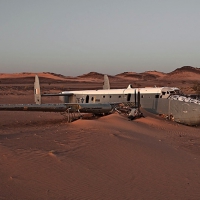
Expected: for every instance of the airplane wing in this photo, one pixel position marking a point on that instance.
(59, 94)
(36, 107)
(60, 107)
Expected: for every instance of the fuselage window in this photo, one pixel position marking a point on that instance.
(129, 97)
(87, 99)
(103, 96)
(142, 96)
(119, 96)
(92, 98)
(110, 96)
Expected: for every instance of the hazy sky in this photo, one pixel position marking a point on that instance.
(73, 37)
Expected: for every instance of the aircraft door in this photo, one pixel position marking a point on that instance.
(87, 99)
(129, 97)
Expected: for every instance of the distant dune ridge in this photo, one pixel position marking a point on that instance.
(144, 75)
(184, 78)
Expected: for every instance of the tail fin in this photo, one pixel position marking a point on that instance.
(106, 85)
(37, 95)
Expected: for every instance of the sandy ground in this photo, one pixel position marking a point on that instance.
(44, 157)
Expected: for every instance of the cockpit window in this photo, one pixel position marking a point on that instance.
(178, 92)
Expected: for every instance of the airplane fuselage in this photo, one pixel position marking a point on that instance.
(155, 100)
(113, 95)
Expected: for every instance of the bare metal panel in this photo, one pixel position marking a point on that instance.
(182, 112)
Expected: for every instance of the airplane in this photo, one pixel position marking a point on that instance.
(168, 101)
(75, 101)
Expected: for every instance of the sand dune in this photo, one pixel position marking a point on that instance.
(43, 157)
(27, 74)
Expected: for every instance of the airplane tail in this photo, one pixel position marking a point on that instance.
(37, 94)
(106, 85)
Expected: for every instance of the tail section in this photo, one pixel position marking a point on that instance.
(129, 86)
(37, 95)
(106, 85)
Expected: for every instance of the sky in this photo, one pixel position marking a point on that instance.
(74, 37)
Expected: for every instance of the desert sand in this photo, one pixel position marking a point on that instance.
(44, 157)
